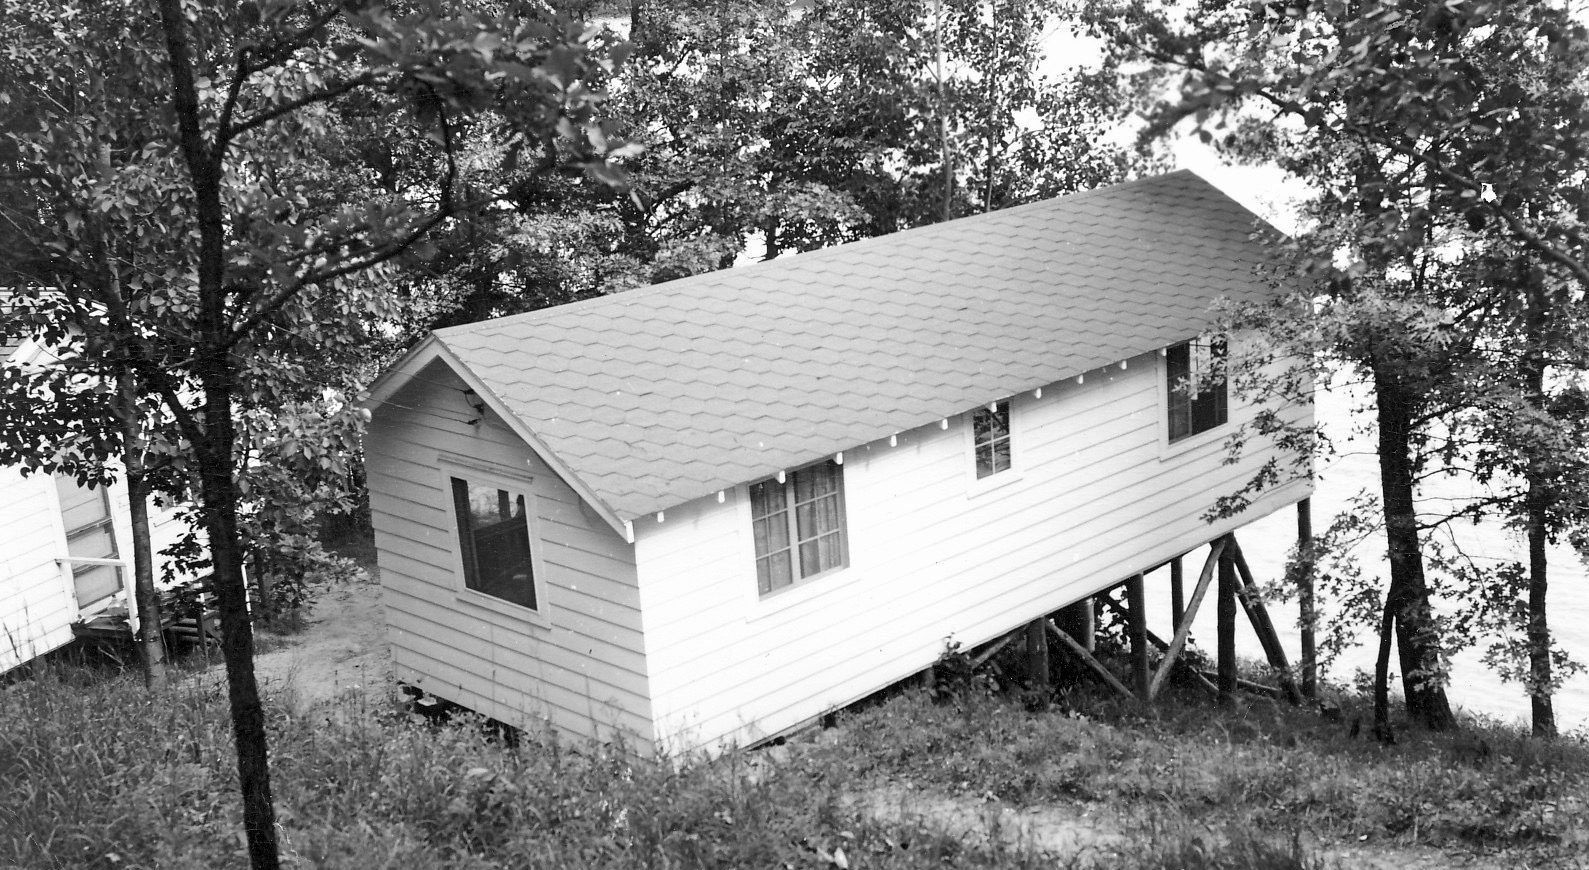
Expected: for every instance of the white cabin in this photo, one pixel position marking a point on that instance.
(709, 511)
(65, 553)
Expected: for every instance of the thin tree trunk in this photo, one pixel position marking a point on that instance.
(640, 30)
(1417, 635)
(992, 103)
(1536, 503)
(946, 155)
(1539, 670)
(1308, 620)
(774, 245)
(217, 486)
(1382, 675)
(151, 643)
(219, 495)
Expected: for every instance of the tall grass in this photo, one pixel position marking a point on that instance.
(96, 772)
(1265, 767)
(105, 775)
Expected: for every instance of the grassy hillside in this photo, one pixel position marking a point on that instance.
(94, 772)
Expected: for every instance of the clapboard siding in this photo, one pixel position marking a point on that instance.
(582, 667)
(1095, 496)
(36, 606)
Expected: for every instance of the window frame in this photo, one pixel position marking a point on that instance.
(976, 444)
(80, 566)
(790, 503)
(977, 486)
(1218, 348)
(515, 484)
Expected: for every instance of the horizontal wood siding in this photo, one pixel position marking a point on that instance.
(1095, 496)
(36, 607)
(583, 668)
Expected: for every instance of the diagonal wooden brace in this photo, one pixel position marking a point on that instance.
(1258, 615)
(1080, 652)
(1184, 630)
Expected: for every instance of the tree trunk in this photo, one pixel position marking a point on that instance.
(266, 610)
(1308, 616)
(1417, 635)
(219, 495)
(945, 154)
(774, 242)
(1382, 676)
(151, 643)
(640, 30)
(1536, 505)
(149, 639)
(213, 442)
(1539, 671)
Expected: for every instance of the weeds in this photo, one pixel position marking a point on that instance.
(97, 772)
(1267, 767)
(106, 775)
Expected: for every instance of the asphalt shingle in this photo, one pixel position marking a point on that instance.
(660, 395)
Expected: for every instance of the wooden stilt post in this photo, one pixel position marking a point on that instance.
(1310, 666)
(1137, 623)
(1077, 621)
(1177, 596)
(1037, 656)
(1227, 626)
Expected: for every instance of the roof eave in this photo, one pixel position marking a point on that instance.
(532, 440)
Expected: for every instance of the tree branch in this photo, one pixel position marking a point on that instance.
(287, 108)
(382, 254)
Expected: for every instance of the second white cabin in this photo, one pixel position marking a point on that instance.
(65, 553)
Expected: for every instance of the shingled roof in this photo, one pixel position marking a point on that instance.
(657, 396)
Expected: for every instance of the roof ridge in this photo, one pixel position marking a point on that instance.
(635, 295)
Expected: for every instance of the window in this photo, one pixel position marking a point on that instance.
(494, 542)
(990, 432)
(90, 534)
(1195, 376)
(798, 525)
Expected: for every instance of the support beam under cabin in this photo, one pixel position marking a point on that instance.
(1177, 596)
(1227, 626)
(1077, 620)
(1037, 657)
(1310, 667)
(1137, 625)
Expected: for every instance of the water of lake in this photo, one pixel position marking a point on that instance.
(1474, 687)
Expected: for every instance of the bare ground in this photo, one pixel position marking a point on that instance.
(340, 647)
(1080, 833)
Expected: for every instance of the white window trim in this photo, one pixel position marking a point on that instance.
(1172, 449)
(759, 607)
(976, 486)
(776, 598)
(518, 483)
(65, 563)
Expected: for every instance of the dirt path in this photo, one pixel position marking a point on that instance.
(1081, 833)
(340, 648)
